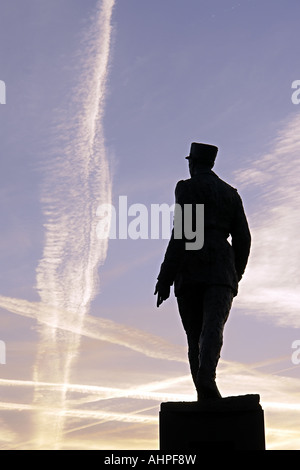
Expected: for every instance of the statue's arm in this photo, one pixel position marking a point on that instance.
(173, 257)
(241, 238)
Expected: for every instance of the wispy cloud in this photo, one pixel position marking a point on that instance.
(77, 180)
(271, 284)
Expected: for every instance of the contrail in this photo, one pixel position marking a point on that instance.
(87, 414)
(77, 181)
(145, 392)
(97, 328)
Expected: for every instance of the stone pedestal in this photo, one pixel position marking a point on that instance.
(233, 423)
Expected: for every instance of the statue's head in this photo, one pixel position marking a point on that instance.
(202, 156)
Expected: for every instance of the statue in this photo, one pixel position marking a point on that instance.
(206, 280)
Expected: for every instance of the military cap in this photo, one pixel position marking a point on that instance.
(203, 152)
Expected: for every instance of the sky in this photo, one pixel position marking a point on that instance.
(100, 101)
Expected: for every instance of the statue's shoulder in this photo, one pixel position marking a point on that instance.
(227, 187)
(181, 185)
(181, 190)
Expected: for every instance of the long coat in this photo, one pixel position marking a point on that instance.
(218, 262)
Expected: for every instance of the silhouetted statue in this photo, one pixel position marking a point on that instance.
(206, 280)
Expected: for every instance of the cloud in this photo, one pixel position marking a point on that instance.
(271, 283)
(7, 435)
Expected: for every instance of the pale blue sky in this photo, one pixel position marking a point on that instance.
(216, 71)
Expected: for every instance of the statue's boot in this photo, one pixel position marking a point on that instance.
(207, 389)
(206, 386)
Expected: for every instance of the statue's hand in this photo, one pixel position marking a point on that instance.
(163, 292)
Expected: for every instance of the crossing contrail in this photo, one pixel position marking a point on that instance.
(77, 181)
(97, 328)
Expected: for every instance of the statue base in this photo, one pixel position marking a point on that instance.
(232, 423)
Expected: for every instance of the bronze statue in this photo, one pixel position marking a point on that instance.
(206, 280)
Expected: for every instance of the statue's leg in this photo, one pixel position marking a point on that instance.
(217, 303)
(190, 309)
